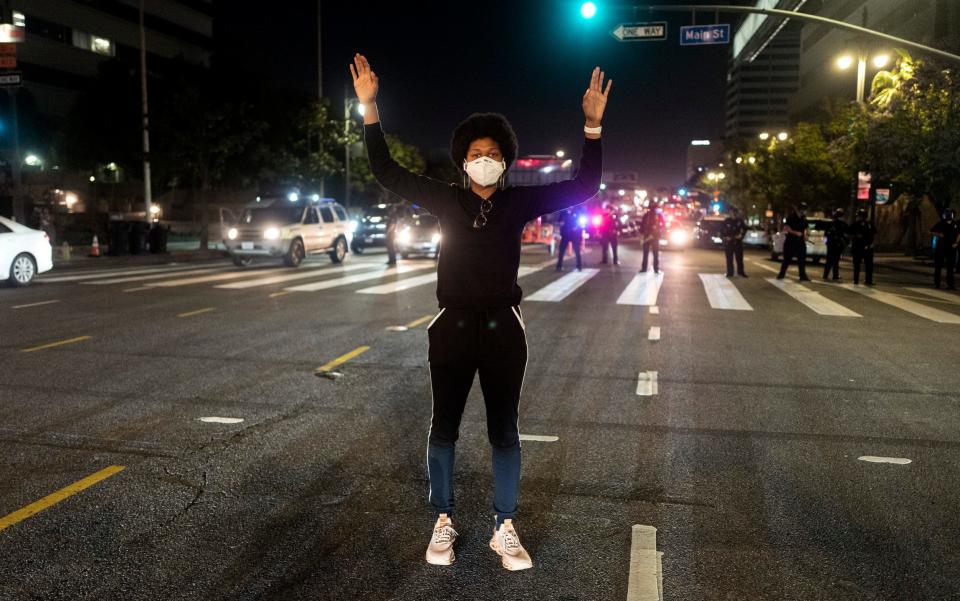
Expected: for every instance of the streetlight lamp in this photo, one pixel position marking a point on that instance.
(764, 136)
(560, 154)
(845, 61)
(32, 160)
(348, 103)
(588, 10)
(782, 136)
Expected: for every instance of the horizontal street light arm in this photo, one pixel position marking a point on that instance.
(776, 12)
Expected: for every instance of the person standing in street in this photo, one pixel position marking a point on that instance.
(836, 242)
(862, 235)
(610, 232)
(479, 329)
(734, 229)
(394, 215)
(795, 242)
(571, 232)
(651, 228)
(946, 232)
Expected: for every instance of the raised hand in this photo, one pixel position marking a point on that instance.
(595, 98)
(365, 81)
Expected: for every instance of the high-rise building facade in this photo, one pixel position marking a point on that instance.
(66, 40)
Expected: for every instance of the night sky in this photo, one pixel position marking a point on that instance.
(530, 60)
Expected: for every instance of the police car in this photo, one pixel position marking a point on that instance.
(289, 228)
(816, 239)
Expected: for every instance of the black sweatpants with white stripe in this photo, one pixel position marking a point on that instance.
(463, 343)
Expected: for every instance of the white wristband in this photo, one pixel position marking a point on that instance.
(592, 130)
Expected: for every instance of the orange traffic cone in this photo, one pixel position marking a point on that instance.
(95, 247)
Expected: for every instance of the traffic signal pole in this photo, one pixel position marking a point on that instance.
(789, 14)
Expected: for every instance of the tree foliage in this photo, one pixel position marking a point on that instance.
(909, 133)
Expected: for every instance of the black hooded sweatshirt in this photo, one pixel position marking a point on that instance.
(478, 267)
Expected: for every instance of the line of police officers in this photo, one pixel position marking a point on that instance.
(860, 235)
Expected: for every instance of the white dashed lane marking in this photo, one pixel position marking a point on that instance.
(647, 383)
(893, 460)
(49, 302)
(539, 438)
(645, 582)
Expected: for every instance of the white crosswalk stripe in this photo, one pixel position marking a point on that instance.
(722, 294)
(560, 289)
(203, 279)
(952, 297)
(421, 280)
(642, 290)
(110, 273)
(918, 309)
(360, 277)
(391, 287)
(302, 274)
(813, 300)
(152, 276)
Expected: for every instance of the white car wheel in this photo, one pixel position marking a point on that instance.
(23, 270)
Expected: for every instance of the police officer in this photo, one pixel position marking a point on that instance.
(733, 232)
(571, 232)
(862, 234)
(836, 242)
(651, 228)
(394, 214)
(795, 241)
(946, 232)
(610, 232)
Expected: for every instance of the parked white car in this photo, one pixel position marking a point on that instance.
(816, 243)
(290, 228)
(24, 252)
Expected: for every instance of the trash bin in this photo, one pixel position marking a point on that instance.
(138, 237)
(118, 233)
(158, 239)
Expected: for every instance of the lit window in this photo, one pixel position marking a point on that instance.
(19, 20)
(81, 39)
(101, 45)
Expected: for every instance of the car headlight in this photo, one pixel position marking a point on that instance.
(271, 233)
(435, 238)
(232, 233)
(679, 237)
(404, 236)
(352, 226)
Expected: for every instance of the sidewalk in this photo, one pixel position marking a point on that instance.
(179, 252)
(897, 261)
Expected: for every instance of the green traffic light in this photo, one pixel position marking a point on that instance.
(588, 10)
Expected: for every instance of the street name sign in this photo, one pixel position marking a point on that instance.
(11, 79)
(702, 35)
(640, 32)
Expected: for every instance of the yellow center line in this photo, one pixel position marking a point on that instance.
(53, 344)
(281, 293)
(54, 498)
(343, 358)
(197, 312)
(417, 322)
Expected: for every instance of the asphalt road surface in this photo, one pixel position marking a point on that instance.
(791, 442)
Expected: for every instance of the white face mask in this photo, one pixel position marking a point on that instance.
(484, 171)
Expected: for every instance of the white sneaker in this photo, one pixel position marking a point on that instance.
(506, 542)
(440, 551)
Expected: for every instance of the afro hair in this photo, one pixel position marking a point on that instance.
(483, 125)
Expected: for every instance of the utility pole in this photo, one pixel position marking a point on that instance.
(320, 83)
(147, 195)
(346, 147)
(17, 167)
(16, 170)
